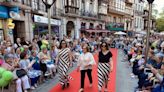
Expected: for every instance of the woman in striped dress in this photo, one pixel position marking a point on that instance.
(105, 66)
(64, 59)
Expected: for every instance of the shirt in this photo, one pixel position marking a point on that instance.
(86, 59)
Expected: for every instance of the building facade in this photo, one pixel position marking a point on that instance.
(70, 17)
(120, 15)
(14, 19)
(81, 15)
(138, 15)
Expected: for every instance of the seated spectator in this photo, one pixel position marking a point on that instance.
(22, 80)
(27, 65)
(44, 56)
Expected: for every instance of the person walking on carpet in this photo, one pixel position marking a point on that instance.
(85, 63)
(64, 60)
(105, 66)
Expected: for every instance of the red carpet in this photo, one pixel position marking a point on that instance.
(75, 84)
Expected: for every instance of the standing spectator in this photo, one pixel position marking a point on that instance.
(18, 43)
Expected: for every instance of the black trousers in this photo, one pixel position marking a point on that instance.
(89, 73)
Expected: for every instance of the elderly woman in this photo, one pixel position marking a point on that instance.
(45, 58)
(22, 80)
(85, 63)
(27, 66)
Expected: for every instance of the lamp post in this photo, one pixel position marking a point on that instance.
(149, 28)
(48, 4)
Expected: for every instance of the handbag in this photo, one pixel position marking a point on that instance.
(20, 73)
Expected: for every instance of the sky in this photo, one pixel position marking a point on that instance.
(159, 5)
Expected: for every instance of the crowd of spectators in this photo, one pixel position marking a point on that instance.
(149, 71)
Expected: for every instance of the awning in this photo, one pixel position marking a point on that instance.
(97, 30)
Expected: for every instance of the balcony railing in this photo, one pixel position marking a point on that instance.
(139, 13)
(24, 4)
(72, 10)
(129, 11)
(88, 14)
(117, 8)
(56, 12)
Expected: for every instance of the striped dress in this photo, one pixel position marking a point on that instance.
(64, 62)
(103, 68)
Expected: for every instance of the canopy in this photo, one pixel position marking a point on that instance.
(97, 30)
(141, 32)
(120, 33)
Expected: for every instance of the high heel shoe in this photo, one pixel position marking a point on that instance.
(63, 86)
(81, 90)
(68, 85)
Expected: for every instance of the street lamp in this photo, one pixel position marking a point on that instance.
(48, 4)
(149, 28)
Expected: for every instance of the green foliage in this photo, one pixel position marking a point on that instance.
(160, 22)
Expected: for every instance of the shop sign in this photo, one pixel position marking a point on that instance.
(0, 24)
(14, 12)
(3, 12)
(41, 19)
(10, 25)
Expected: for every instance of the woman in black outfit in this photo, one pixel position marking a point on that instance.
(105, 66)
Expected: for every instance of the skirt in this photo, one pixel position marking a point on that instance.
(103, 73)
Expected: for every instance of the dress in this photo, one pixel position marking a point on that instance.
(64, 62)
(103, 68)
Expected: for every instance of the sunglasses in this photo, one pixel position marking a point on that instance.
(103, 46)
(63, 43)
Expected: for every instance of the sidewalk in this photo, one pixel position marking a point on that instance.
(124, 81)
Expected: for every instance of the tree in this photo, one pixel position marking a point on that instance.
(160, 21)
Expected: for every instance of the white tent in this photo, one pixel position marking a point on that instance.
(120, 33)
(162, 33)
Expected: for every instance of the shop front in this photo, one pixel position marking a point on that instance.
(8, 16)
(40, 26)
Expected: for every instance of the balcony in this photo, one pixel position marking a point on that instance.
(129, 11)
(71, 10)
(88, 14)
(113, 8)
(138, 13)
(23, 4)
(115, 26)
(57, 13)
(102, 9)
(129, 2)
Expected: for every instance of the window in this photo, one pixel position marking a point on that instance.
(91, 6)
(71, 2)
(83, 25)
(83, 5)
(91, 26)
(114, 19)
(35, 4)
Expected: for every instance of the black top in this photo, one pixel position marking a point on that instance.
(104, 58)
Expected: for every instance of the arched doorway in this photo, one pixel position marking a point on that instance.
(70, 29)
